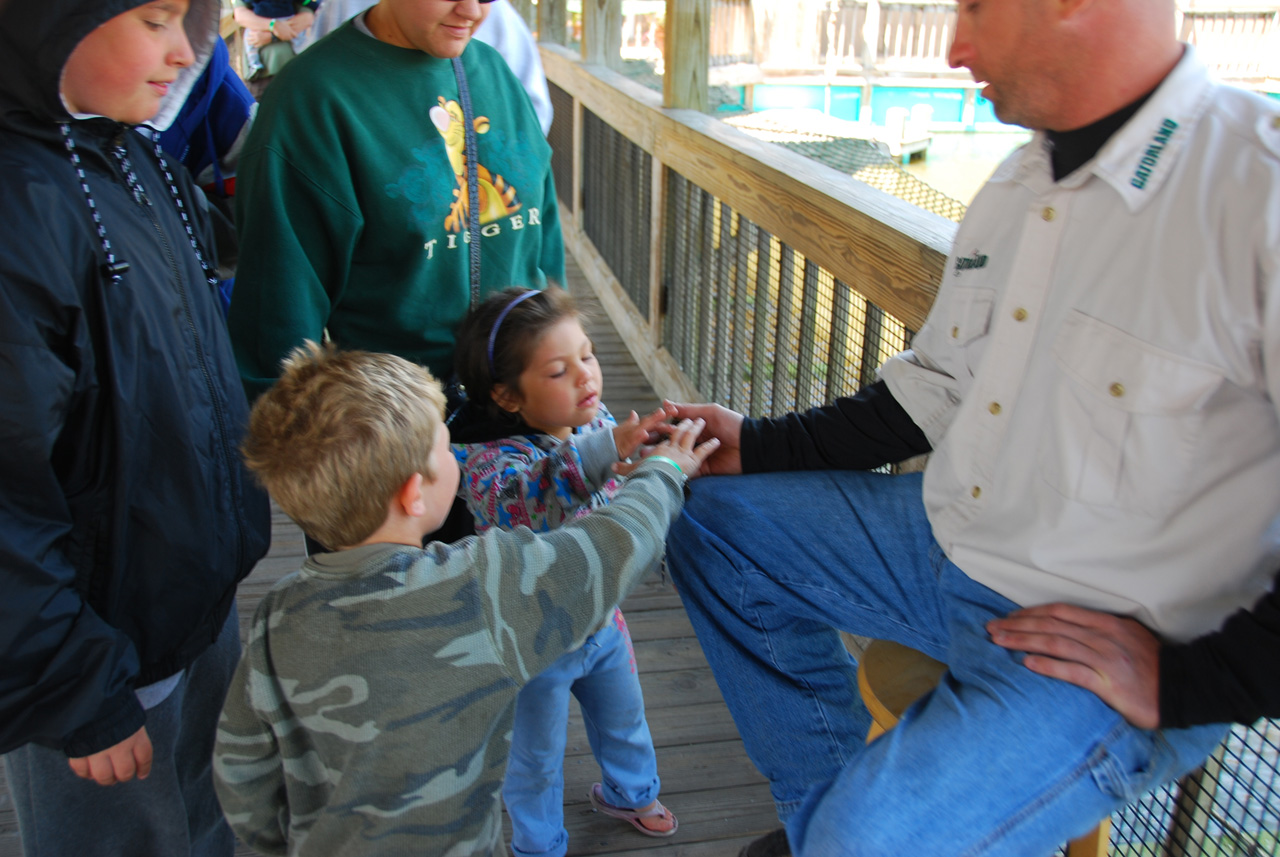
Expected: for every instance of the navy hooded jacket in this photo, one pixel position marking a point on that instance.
(126, 517)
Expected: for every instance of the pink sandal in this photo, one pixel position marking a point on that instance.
(631, 815)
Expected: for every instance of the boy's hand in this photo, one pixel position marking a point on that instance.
(630, 434)
(682, 447)
(117, 764)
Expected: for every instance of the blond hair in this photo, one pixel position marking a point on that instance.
(339, 433)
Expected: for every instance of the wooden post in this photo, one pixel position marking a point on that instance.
(551, 22)
(871, 37)
(526, 10)
(657, 223)
(602, 33)
(687, 52)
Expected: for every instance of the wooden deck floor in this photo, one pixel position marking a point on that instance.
(707, 781)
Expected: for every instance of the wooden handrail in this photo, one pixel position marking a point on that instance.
(888, 249)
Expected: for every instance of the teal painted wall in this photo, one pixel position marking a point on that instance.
(845, 100)
(947, 104)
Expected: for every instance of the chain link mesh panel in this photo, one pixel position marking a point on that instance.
(617, 201)
(561, 139)
(752, 322)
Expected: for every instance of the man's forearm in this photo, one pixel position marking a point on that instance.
(857, 432)
(1229, 676)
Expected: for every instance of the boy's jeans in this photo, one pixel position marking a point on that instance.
(172, 813)
(602, 675)
(997, 760)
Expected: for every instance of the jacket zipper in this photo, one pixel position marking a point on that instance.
(220, 418)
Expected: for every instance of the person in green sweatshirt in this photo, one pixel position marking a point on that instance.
(353, 201)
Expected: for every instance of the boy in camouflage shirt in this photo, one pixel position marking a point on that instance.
(371, 709)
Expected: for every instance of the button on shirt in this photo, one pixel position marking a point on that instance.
(1099, 373)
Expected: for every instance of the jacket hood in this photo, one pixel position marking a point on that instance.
(38, 36)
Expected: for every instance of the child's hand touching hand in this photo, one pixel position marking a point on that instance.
(630, 434)
(682, 447)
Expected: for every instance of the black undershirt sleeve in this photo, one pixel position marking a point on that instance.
(1229, 676)
(857, 432)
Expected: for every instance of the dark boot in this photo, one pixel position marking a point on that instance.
(772, 844)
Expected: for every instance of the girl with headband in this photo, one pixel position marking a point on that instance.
(550, 457)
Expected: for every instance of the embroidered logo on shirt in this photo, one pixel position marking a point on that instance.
(1152, 155)
(968, 263)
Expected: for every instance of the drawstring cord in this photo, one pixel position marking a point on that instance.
(113, 268)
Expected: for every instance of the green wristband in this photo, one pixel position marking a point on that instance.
(670, 461)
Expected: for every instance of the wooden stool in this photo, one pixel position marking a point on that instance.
(892, 676)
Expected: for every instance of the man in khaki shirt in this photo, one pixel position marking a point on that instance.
(1096, 385)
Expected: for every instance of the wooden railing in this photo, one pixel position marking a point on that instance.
(735, 270)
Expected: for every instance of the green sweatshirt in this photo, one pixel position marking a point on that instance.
(372, 710)
(347, 203)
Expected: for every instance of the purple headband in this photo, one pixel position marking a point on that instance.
(493, 334)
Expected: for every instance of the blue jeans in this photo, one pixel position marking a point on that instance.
(602, 675)
(172, 813)
(996, 761)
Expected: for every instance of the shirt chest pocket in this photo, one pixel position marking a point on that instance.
(966, 323)
(1125, 419)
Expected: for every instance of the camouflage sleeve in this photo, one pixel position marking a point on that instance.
(248, 769)
(547, 593)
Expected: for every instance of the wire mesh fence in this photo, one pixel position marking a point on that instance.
(754, 324)
(561, 139)
(617, 198)
(1228, 808)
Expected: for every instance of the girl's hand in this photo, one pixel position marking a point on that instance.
(257, 38)
(631, 433)
(682, 447)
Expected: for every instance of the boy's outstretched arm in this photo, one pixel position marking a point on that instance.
(546, 593)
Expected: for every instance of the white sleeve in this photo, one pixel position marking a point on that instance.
(506, 32)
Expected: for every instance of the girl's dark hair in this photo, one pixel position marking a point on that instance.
(517, 336)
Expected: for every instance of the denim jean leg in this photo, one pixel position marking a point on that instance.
(533, 788)
(208, 680)
(996, 761)
(768, 566)
(613, 713)
(172, 813)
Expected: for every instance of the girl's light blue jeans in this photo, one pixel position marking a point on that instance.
(602, 675)
(996, 761)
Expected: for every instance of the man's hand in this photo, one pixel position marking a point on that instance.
(1115, 657)
(118, 764)
(722, 424)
